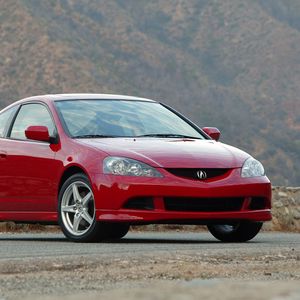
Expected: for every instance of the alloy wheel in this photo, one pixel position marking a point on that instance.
(78, 208)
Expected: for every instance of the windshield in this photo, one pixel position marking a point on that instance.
(122, 118)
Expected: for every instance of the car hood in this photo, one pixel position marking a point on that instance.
(172, 153)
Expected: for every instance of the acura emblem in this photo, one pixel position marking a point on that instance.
(201, 174)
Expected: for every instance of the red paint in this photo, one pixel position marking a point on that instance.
(37, 133)
(140, 217)
(31, 172)
(213, 132)
(170, 153)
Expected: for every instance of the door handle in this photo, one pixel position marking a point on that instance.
(3, 154)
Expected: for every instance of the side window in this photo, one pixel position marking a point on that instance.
(31, 115)
(4, 118)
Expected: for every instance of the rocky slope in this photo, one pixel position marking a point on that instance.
(286, 209)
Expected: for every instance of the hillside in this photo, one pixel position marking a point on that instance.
(234, 64)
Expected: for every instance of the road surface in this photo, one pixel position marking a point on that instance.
(46, 264)
(16, 246)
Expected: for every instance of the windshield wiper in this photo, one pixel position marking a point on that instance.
(159, 135)
(93, 136)
(168, 135)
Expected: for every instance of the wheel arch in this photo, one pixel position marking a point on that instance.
(68, 173)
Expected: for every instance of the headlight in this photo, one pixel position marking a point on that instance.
(128, 167)
(252, 168)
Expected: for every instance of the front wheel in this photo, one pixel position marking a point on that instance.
(76, 211)
(237, 232)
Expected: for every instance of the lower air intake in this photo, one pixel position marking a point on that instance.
(203, 204)
(141, 203)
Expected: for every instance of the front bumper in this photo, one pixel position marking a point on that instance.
(113, 192)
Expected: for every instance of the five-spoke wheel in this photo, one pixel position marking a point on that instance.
(77, 213)
(76, 210)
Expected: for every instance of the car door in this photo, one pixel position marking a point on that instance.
(31, 169)
(5, 119)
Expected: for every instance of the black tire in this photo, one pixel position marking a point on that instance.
(86, 231)
(236, 233)
(117, 230)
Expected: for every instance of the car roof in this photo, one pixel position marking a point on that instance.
(62, 97)
(75, 96)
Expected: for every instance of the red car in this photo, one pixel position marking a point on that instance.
(96, 164)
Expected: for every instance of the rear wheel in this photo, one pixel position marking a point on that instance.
(236, 232)
(76, 211)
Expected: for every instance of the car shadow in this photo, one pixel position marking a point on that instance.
(124, 240)
(159, 241)
(33, 239)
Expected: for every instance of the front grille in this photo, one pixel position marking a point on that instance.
(203, 204)
(143, 203)
(191, 173)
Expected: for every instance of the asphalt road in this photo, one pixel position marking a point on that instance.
(39, 245)
(149, 265)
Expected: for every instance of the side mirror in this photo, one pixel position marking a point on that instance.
(38, 133)
(213, 132)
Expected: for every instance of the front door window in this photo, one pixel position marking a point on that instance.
(31, 115)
